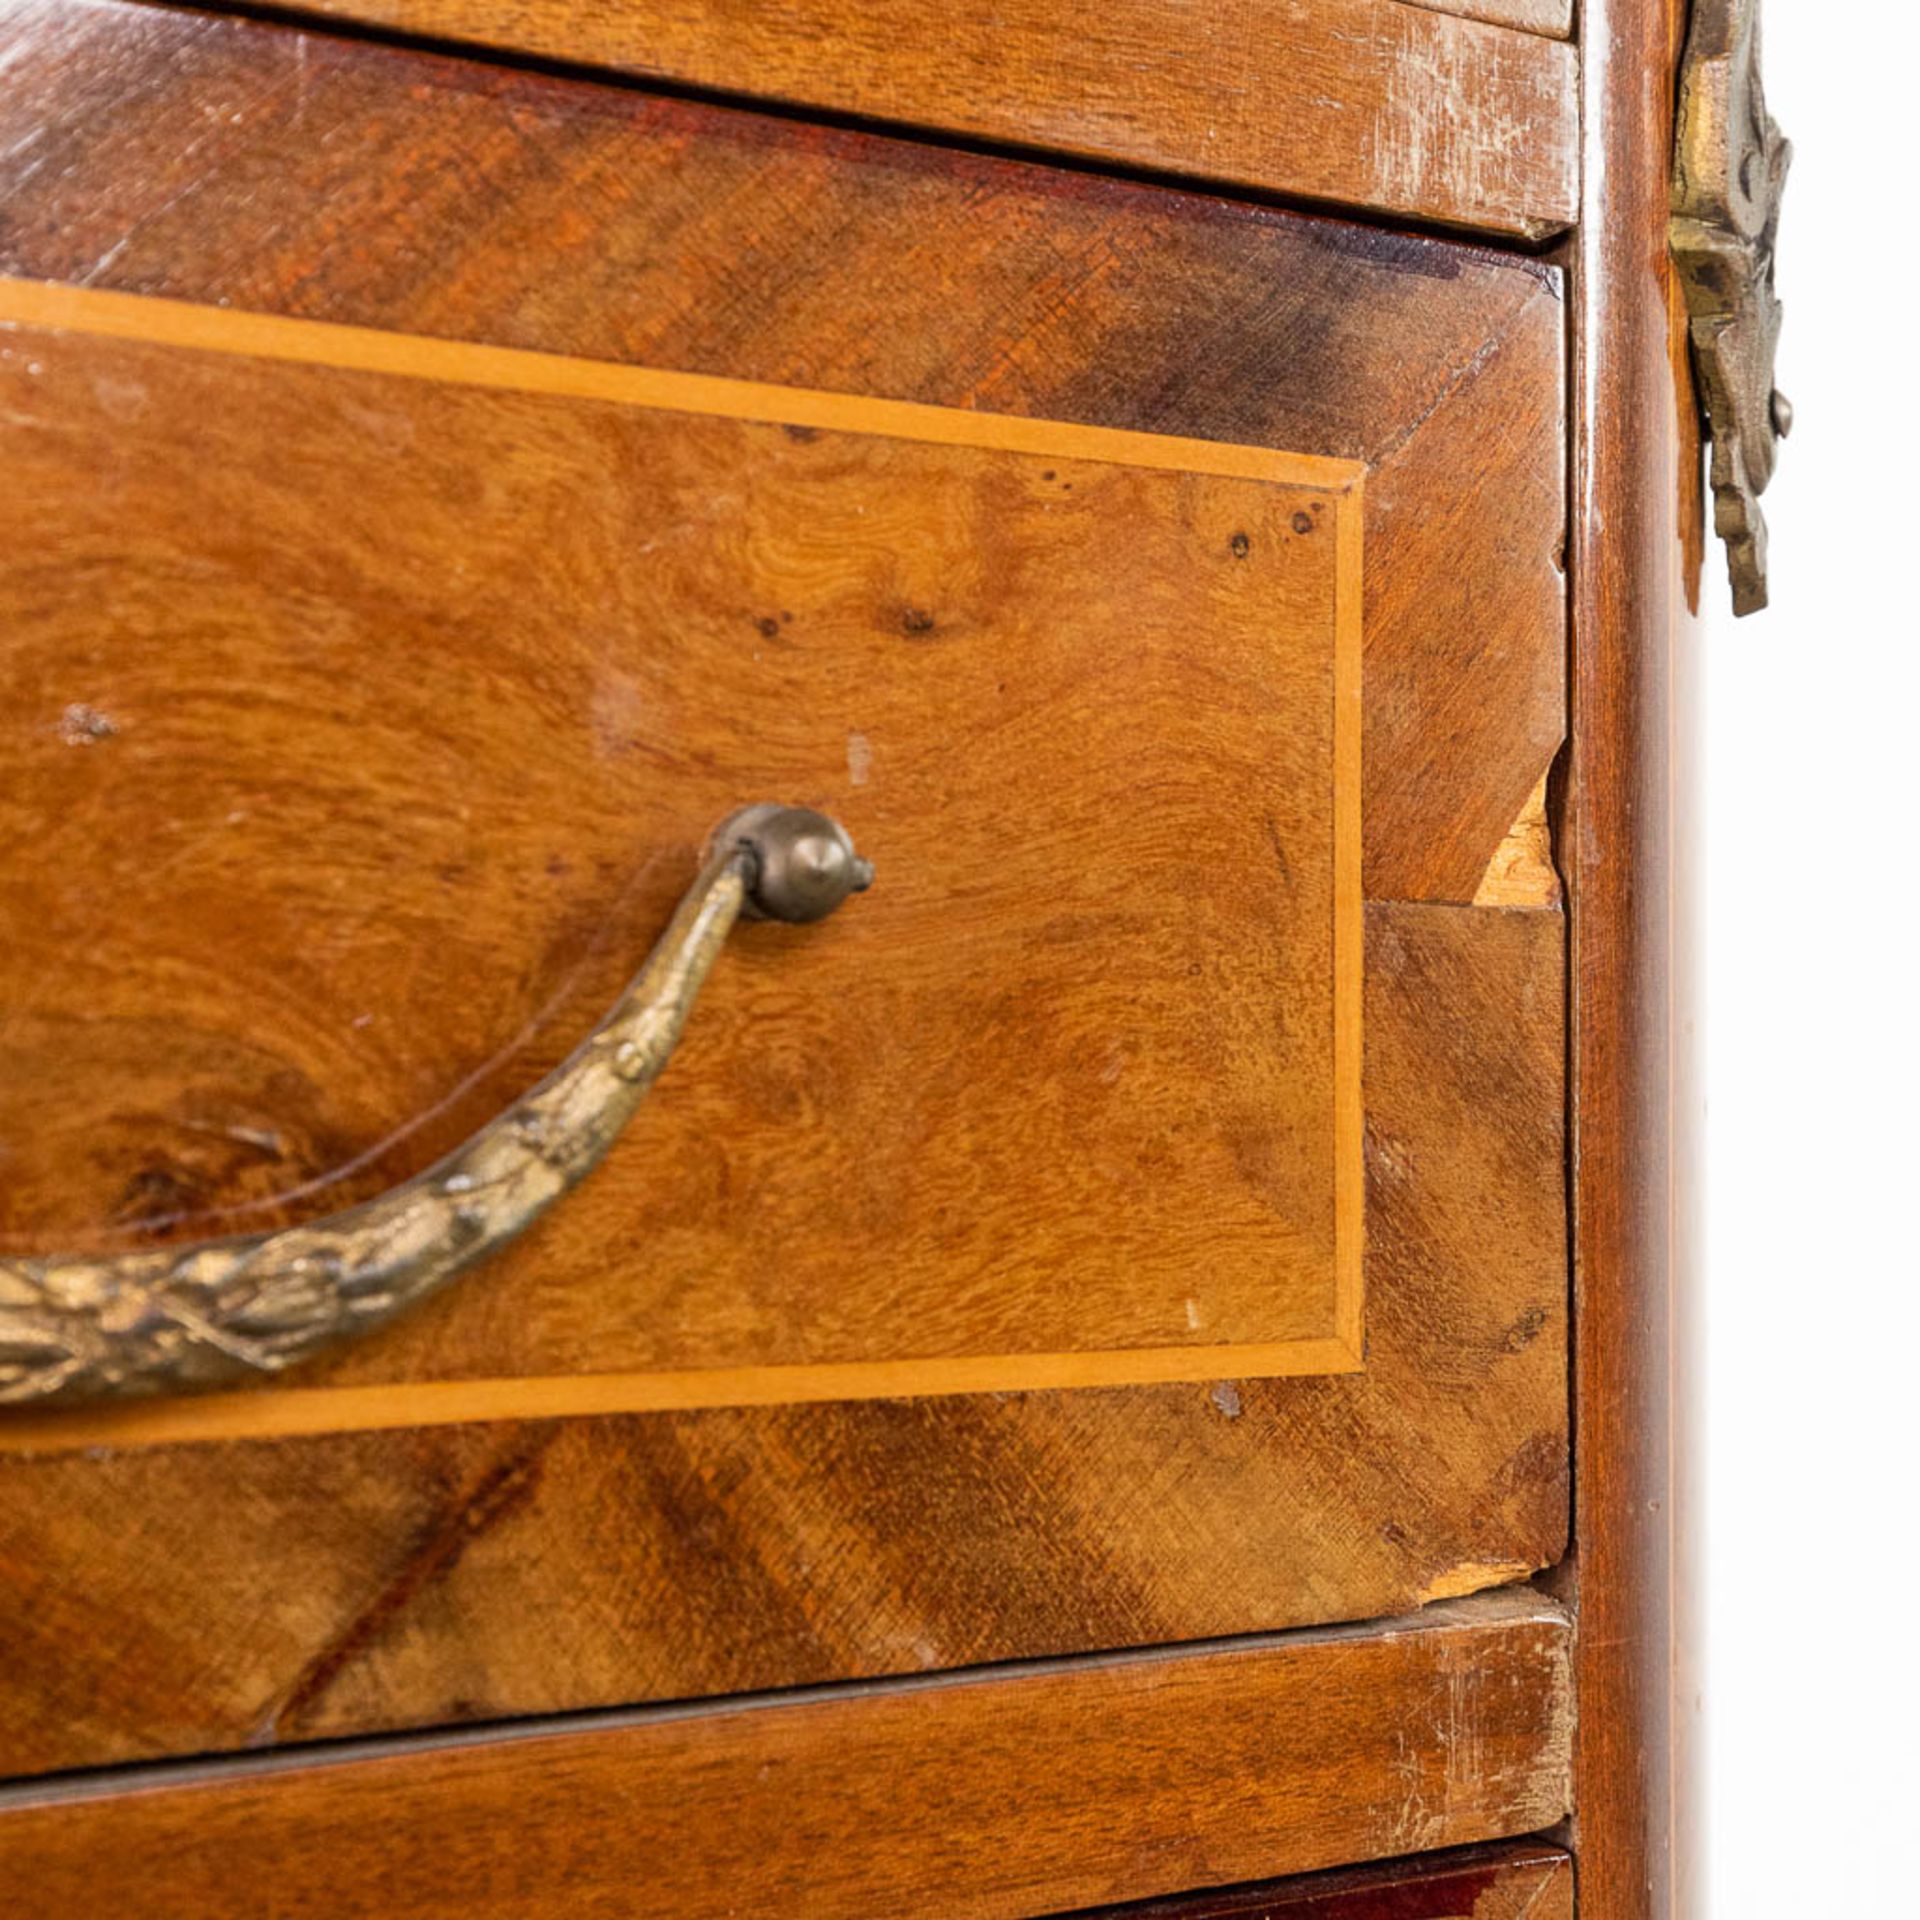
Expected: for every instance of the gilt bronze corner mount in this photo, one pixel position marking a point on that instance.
(1730, 166)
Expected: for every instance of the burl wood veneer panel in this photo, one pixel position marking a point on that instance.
(985, 1797)
(417, 1549)
(1364, 103)
(372, 665)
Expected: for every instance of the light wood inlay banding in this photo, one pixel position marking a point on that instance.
(1159, 653)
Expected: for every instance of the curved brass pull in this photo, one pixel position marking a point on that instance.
(87, 1327)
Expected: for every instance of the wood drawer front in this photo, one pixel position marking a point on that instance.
(1462, 113)
(988, 1796)
(978, 1286)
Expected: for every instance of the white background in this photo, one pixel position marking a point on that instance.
(1809, 977)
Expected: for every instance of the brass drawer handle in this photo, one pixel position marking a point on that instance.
(89, 1327)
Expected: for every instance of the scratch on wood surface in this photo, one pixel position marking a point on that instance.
(1560, 1732)
(1450, 122)
(1464, 1746)
(1549, 1898)
(1416, 1825)
(1417, 134)
(505, 1486)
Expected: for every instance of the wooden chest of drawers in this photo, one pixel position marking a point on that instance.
(1065, 1391)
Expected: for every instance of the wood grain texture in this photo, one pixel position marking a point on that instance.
(250, 166)
(1360, 103)
(1512, 1881)
(980, 1797)
(1636, 570)
(1078, 692)
(415, 1574)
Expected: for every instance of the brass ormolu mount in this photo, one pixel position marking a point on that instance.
(1730, 166)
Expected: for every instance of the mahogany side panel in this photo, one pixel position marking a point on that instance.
(1362, 103)
(979, 1797)
(1635, 579)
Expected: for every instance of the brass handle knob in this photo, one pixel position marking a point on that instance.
(86, 1327)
